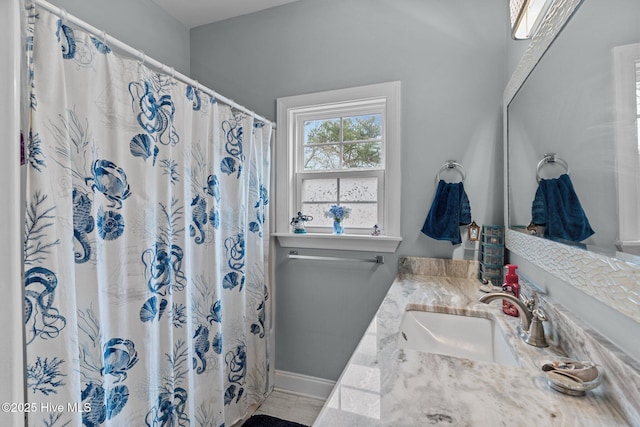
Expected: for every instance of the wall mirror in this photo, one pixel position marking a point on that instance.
(575, 93)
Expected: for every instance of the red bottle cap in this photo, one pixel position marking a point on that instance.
(511, 276)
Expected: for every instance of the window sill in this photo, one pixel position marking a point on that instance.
(343, 242)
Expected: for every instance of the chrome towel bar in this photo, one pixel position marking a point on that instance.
(378, 259)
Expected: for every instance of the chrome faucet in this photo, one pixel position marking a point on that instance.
(531, 329)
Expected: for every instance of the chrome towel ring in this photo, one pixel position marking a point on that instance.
(451, 164)
(550, 158)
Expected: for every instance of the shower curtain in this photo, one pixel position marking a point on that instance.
(146, 242)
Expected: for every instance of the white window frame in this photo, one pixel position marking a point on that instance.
(329, 111)
(292, 111)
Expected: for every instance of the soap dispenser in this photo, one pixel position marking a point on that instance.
(511, 286)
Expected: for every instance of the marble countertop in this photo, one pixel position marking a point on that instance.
(383, 385)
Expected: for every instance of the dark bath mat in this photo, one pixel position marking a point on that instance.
(268, 421)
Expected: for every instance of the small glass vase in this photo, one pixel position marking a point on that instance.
(337, 227)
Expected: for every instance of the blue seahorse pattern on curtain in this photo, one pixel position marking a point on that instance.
(146, 287)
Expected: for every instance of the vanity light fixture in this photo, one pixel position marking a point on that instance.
(526, 16)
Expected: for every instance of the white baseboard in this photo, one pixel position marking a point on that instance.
(303, 385)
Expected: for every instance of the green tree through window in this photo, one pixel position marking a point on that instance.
(359, 145)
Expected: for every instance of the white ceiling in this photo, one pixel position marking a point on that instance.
(193, 13)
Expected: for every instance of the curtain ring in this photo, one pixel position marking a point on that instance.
(64, 16)
(173, 73)
(143, 58)
(197, 86)
(104, 38)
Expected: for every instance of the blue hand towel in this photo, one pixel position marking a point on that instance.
(450, 209)
(556, 206)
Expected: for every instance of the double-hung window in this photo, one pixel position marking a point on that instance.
(340, 148)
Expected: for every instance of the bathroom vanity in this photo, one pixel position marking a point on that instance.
(387, 384)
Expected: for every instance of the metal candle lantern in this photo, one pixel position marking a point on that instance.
(474, 231)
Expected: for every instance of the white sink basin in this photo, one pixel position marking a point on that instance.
(456, 335)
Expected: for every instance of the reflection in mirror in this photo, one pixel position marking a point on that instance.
(581, 102)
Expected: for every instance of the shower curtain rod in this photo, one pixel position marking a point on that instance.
(145, 59)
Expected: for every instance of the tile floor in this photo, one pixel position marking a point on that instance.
(291, 407)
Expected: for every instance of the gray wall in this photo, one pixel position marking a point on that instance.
(139, 23)
(451, 59)
(515, 50)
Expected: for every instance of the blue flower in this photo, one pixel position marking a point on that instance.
(338, 213)
(110, 224)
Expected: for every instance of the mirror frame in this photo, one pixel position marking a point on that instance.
(612, 281)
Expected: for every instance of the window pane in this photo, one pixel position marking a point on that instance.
(320, 190)
(363, 215)
(362, 155)
(359, 189)
(322, 131)
(317, 210)
(362, 128)
(322, 157)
